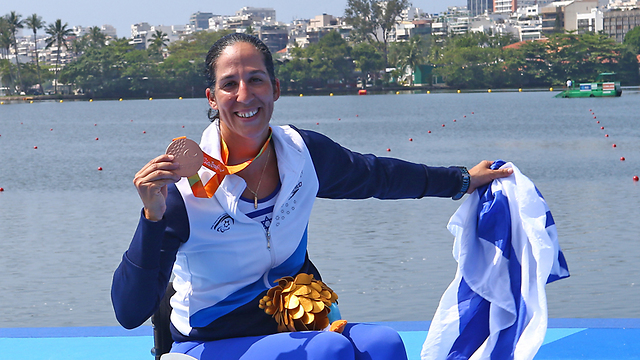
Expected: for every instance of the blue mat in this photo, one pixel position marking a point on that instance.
(566, 339)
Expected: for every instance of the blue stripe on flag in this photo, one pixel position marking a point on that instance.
(474, 323)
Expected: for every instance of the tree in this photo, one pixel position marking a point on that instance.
(34, 22)
(14, 23)
(632, 40)
(368, 61)
(58, 36)
(414, 55)
(6, 73)
(95, 37)
(332, 62)
(374, 20)
(158, 41)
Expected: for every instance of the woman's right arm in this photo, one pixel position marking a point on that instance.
(140, 280)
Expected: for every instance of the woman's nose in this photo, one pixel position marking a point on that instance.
(244, 94)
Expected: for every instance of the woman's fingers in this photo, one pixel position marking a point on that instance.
(482, 174)
(158, 168)
(151, 182)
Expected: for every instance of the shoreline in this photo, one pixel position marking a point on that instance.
(401, 90)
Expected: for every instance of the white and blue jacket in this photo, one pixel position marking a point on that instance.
(224, 262)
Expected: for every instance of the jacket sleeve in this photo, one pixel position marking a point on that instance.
(140, 281)
(344, 174)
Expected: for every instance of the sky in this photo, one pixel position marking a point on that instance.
(123, 13)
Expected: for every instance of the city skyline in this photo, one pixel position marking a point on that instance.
(122, 14)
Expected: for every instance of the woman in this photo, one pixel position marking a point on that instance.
(227, 250)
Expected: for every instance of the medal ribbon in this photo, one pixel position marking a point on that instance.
(220, 170)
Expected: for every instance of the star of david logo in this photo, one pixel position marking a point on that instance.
(266, 222)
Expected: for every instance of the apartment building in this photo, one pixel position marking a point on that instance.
(590, 22)
(261, 14)
(616, 23)
(200, 20)
(505, 6)
(478, 7)
(572, 10)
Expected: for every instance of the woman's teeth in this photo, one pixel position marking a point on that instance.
(246, 114)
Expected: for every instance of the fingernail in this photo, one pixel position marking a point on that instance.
(510, 170)
(171, 157)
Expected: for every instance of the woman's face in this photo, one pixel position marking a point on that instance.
(243, 93)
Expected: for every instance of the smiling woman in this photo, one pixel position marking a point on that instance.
(229, 245)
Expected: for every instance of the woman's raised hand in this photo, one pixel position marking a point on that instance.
(151, 182)
(482, 174)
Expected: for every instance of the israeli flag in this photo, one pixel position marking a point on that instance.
(507, 250)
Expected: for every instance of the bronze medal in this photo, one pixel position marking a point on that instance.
(188, 154)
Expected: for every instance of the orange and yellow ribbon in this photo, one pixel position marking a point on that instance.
(220, 170)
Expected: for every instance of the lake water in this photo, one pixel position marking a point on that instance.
(64, 224)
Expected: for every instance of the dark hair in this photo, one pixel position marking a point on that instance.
(228, 40)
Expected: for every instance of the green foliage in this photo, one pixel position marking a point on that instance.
(368, 61)
(118, 70)
(325, 64)
(196, 46)
(479, 61)
(632, 40)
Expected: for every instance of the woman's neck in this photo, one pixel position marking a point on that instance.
(242, 148)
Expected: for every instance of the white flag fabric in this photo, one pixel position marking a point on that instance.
(507, 250)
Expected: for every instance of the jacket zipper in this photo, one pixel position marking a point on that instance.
(268, 233)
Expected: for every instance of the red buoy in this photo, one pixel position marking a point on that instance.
(442, 125)
(388, 149)
(100, 168)
(357, 115)
(472, 112)
(622, 158)
(606, 135)
(410, 139)
(50, 129)
(429, 131)
(594, 117)
(317, 123)
(35, 147)
(144, 132)
(95, 124)
(183, 126)
(338, 119)
(598, 122)
(589, 109)
(96, 138)
(636, 178)
(1, 189)
(601, 127)
(464, 116)
(614, 145)
(454, 120)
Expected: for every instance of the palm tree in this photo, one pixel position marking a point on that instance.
(34, 22)
(57, 35)
(5, 45)
(14, 22)
(414, 55)
(96, 37)
(158, 40)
